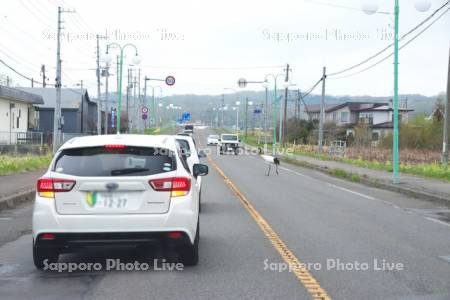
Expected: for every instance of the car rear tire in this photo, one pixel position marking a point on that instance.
(188, 255)
(42, 254)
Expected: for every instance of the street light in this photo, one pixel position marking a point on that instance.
(153, 97)
(136, 60)
(421, 5)
(275, 78)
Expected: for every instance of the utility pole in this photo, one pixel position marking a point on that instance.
(57, 113)
(117, 74)
(136, 109)
(128, 98)
(106, 97)
(283, 130)
(246, 117)
(322, 111)
(133, 109)
(446, 121)
(395, 151)
(99, 106)
(266, 108)
(32, 82)
(44, 78)
(222, 110)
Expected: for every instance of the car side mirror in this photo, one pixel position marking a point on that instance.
(201, 154)
(239, 140)
(200, 170)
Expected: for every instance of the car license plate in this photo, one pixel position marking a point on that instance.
(106, 200)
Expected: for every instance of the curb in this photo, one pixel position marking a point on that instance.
(364, 179)
(14, 200)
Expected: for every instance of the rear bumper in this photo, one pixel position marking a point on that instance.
(70, 241)
(227, 147)
(182, 216)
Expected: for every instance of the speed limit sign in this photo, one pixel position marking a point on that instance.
(144, 109)
(170, 80)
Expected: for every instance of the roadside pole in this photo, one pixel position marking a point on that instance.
(246, 118)
(446, 121)
(286, 91)
(99, 102)
(106, 99)
(322, 111)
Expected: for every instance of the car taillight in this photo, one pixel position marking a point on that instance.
(46, 187)
(115, 146)
(177, 186)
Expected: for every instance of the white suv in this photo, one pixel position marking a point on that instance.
(117, 189)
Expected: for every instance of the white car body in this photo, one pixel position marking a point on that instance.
(148, 211)
(228, 142)
(212, 140)
(193, 155)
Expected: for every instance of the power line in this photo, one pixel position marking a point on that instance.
(26, 66)
(306, 94)
(31, 12)
(340, 6)
(17, 72)
(210, 68)
(390, 45)
(403, 46)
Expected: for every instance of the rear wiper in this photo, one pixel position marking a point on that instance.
(117, 172)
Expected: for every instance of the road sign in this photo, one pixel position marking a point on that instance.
(170, 80)
(144, 116)
(113, 118)
(144, 109)
(186, 116)
(242, 83)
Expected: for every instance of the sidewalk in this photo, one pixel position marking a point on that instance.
(419, 187)
(18, 188)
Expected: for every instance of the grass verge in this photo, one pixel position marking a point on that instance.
(18, 164)
(435, 170)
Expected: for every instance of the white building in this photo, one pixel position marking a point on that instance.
(378, 116)
(17, 114)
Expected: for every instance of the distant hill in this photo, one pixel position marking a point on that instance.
(201, 106)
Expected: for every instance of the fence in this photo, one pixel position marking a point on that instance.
(18, 138)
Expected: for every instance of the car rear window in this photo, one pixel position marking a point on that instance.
(127, 161)
(229, 138)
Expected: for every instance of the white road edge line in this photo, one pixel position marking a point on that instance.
(331, 185)
(437, 221)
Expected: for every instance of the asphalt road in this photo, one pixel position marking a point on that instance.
(323, 221)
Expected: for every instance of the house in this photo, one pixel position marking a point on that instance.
(17, 114)
(377, 116)
(79, 112)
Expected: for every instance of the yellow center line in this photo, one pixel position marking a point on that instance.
(303, 275)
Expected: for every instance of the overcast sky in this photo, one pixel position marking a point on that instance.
(207, 45)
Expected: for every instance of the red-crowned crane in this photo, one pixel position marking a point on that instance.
(271, 160)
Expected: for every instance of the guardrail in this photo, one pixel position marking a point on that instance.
(17, 138)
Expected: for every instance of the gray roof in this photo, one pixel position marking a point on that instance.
(70, 98)
(15, 94)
